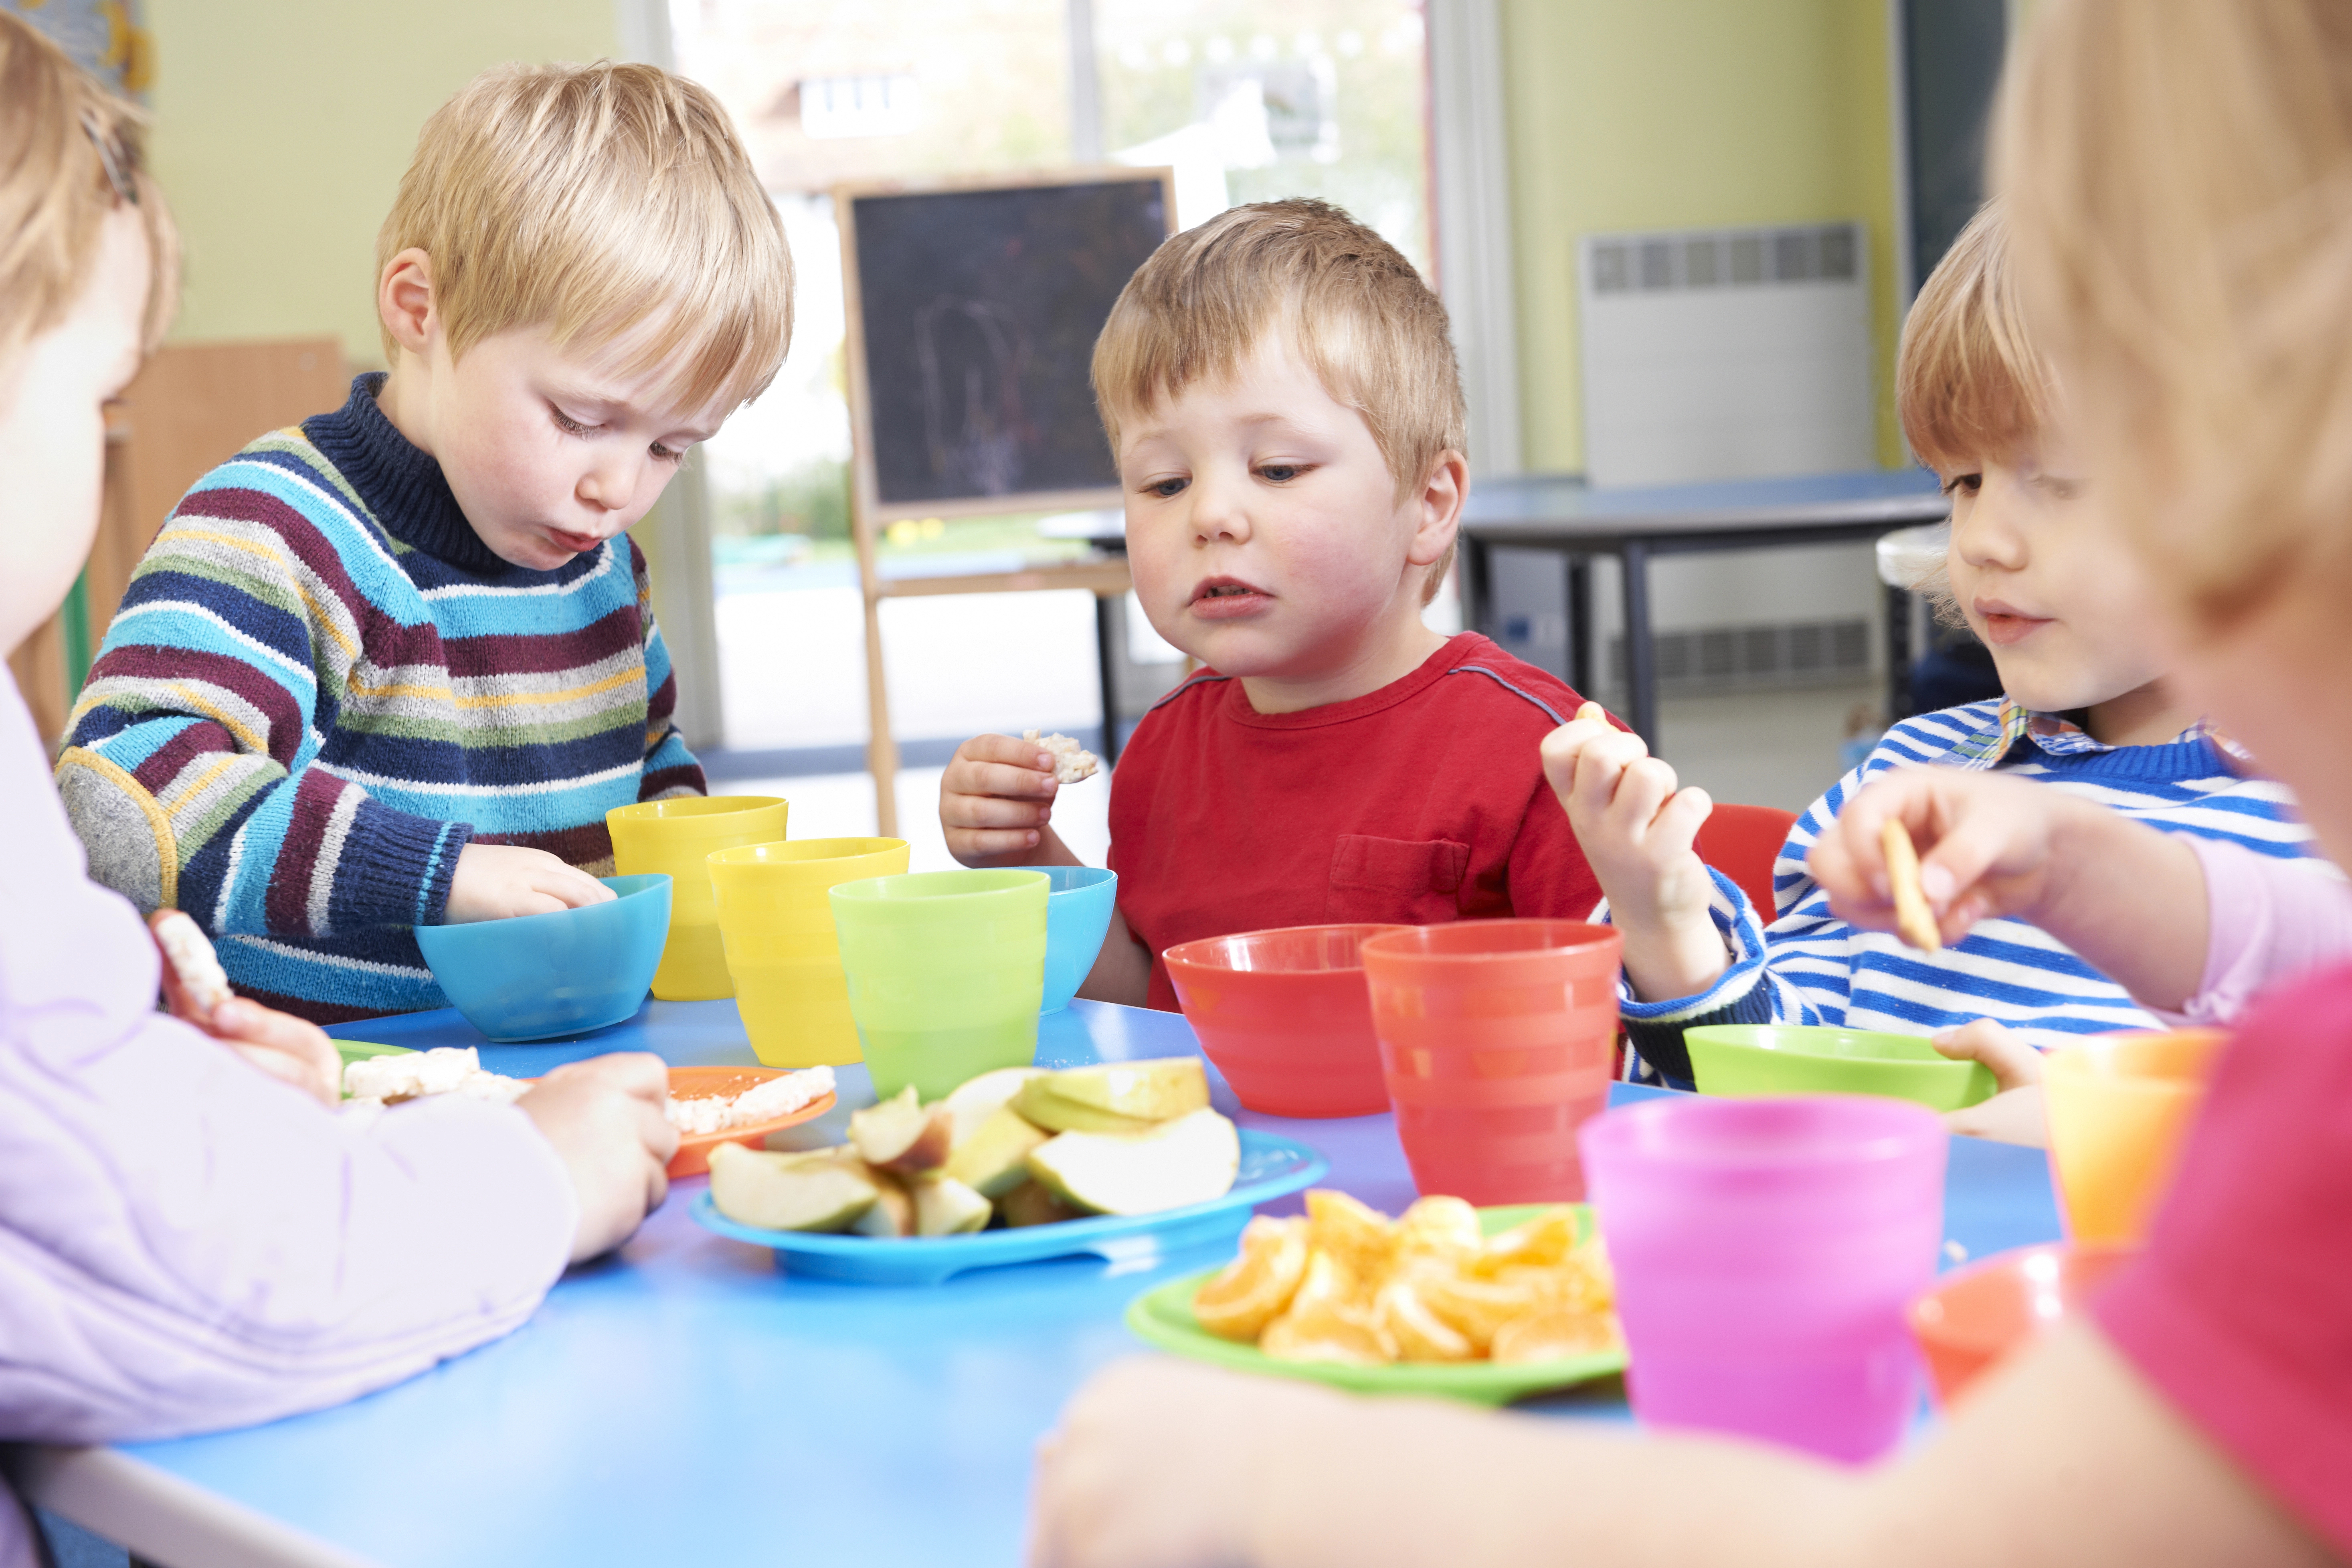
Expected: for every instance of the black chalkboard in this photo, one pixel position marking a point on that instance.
(975, 315)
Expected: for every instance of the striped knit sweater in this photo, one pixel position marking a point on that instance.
(1811, 967)
(321, 685)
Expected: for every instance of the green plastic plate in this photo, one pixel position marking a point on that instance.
(1164, 1317)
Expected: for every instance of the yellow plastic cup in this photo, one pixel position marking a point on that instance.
(2119, 1107)
(677, 837)
(776, 924)
(946, 972)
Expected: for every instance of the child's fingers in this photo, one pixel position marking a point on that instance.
(1013, 782)
(1007, 750)
(1643, 790)
(2012, 1061)
(568, 885)
(1601, 764)
(1675, 829)
(968, 844)
(1563, 746)
(993, 811)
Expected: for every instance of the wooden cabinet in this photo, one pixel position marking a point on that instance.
(192, 406)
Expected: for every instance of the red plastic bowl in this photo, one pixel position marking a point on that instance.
(1284, 1015)
(1979, 1314)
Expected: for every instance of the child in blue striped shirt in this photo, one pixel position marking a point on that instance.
(2086, 709)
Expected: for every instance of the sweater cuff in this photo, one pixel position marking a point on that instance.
(395, 869)
(1660, 1041)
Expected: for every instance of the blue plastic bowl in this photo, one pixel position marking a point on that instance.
(539, 977)
(1078, 902)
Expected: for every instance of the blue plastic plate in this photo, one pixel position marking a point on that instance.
(1271, 1168)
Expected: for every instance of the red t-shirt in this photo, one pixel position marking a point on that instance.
(2240, 1311)
(1419, 802)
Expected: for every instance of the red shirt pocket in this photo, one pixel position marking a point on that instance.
(1414, 881)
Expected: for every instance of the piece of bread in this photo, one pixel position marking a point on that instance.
(1072, 762)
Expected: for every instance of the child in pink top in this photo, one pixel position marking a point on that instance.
(187, 1242)
(2177, 176)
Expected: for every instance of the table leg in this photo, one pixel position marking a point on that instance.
(1580, 623)
(1477, 586)
(1641, 658)
(1107, 629)
(1899, 654)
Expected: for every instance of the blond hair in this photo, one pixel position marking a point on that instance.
(70, 154)
(2180, 179)
(590, 200)
(1968, 386)
(1344, 298)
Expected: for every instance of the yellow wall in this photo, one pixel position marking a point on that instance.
(281, 129)
(1664, 114)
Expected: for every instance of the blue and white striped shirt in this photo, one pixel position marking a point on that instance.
(1811, 967)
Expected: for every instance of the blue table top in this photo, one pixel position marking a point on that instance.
(686, 1401)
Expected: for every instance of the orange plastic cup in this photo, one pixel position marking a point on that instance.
(2119, 1106)
(1977, 1316)
(1495, 1040)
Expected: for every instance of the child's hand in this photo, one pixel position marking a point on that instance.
(1154, 1465)
(1636, 828)
(2014, 1112)
(1986, 847)
(291, 1049)
(996, 801)
(499, 881)
(605, 1117)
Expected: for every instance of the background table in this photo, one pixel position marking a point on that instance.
(687, 1402)
(1562, 512)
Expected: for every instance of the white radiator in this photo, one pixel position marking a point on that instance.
(1731, 353)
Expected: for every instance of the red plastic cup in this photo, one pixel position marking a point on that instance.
(1284, 1016)
(1496, 1042)
(1979, 1316)
(1766, 1253)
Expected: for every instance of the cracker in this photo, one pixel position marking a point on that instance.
(190, 952)
(1072, 762)
(1914, 922)
(1593, 711)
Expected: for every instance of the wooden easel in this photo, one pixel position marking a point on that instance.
(868, 512)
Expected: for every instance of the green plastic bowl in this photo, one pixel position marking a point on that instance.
(1795, 1058)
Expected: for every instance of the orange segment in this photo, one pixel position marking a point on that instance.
(1257, 1285)
(1552, 1332)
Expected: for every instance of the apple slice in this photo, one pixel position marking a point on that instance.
(974, 1101)
(1188, 1160)
(903, 1134)
(1038, 1103)
(1032, 1202)
(1159, 1089)
(893, 1214)
(991, 1161)
(945, 1206)
(819, 1191)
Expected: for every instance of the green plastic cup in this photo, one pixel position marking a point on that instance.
(946, 972)
(1746, 1060)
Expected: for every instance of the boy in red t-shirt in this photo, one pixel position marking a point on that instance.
(1282, 398)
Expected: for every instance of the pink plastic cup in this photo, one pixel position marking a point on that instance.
(1766, 1252)
(1495, 1040)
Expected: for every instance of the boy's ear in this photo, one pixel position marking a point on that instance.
(404, 299)
(1443, 491)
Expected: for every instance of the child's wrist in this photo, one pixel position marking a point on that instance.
(1669, 958)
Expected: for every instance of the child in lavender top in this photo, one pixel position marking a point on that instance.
(187, 1242)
